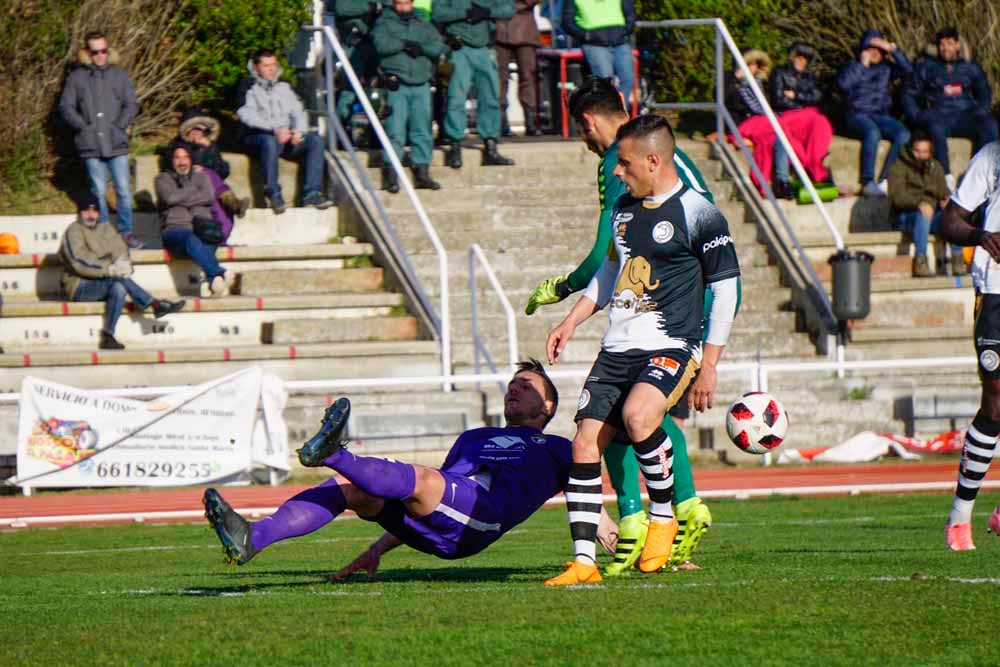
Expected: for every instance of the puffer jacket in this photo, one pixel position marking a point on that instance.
(740, 100)
(912, 181)
(99, 103)
(87, 252)
(452, 14)
(391, 32)
(807, 92)
(867, 88)
(610, 36)
(271, 105)
(181, 198)
(940, 88)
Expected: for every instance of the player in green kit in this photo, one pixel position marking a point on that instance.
(598, 111)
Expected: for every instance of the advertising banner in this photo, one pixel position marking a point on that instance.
(74, 437)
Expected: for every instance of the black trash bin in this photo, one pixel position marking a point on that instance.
(852, 278)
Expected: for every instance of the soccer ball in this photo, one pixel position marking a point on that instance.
(756, 422)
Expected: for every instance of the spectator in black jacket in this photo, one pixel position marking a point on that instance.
(949, 95)
(199, 133)
(602, 28)
(795, 95)
(865, 81)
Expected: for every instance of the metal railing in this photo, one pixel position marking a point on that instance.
(476, 255)
(332, 50)
(724, 121)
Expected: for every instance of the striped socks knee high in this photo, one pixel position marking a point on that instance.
(656, 460)
(977, 454)
(583, 500)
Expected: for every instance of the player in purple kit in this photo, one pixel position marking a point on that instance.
(491, 480)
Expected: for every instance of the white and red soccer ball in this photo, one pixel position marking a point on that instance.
(757, 422)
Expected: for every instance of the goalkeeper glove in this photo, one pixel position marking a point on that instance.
(552, 290)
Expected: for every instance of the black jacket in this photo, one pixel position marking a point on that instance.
(99, 103)
(807, 93)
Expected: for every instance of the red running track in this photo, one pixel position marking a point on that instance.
(153, 505)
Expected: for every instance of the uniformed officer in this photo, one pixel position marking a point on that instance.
(353, 20)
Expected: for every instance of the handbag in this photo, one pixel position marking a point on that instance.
(208, 230)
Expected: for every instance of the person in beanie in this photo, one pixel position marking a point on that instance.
(98, 101)
(408, 47)
(97, 267)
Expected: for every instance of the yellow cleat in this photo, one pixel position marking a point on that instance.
(694, 520)
(659, 542)
(577, 573)
(631, 537)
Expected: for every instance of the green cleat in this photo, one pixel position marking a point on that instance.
(631, 536)
(329, 439)
(695, 520)
(233, 530)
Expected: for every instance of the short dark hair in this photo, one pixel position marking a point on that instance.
(533, 365)
(597, 96)
(641, 127)
(260, 54)
(919, 135)
(94, 34)
(948, 32)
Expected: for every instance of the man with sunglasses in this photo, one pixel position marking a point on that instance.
(98, 101)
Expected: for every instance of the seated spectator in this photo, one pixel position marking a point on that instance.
(865, 81)
(949, 95)
(748, 112)
(96, 267)
(198, 133)
(918, 194)
(408, 47)
(795, 96)
(185, 198)
(98, 101)
(278, 126)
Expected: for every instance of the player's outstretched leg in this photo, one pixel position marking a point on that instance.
(623, 471)
(329, 438)
(233, 530)
(977, 453)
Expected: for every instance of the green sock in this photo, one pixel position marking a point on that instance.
(623, 469)
(683, 479)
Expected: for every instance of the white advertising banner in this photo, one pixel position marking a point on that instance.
(73, 437)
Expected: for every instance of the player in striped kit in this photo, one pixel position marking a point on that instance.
(981, 185)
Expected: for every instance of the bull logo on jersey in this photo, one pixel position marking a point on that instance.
(633, 283)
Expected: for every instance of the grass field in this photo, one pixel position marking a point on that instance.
(860, 580)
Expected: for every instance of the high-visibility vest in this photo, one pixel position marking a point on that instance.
(594, 14)
(423, 8)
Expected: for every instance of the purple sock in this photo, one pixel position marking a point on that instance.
(308, 511)
(376, 477)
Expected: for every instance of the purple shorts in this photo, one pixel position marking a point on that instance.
(466, 522)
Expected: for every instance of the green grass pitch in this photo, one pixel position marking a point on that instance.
(841, 581)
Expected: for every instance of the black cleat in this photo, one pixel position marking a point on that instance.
(329, 439)
(233, 530)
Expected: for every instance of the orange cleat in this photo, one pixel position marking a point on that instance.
(959, 537)
(577, 573)
(659, 542)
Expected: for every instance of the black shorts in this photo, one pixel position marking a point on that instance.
(615, 373)
(987, 334)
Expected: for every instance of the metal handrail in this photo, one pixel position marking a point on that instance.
(444, 323)
(476, 254)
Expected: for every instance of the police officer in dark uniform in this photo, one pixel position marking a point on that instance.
(353, 20)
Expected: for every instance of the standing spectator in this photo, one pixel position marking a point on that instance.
(516, 41)
(468, 29)
(354, 20)
(795, 95)
(408, 47)
(96, 267)
(278, 126)
(98, 101)
(602, 28)
(950, 95)
(185, 197)
(866, 81)
(198, 133)
(918, 194)
(748, 112)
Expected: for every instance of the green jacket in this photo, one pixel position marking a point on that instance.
(390, 35)
(87, 252)
(912, 181)
(452, 16)
(354, 16)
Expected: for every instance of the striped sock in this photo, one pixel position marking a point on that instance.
(656, 460)
(977, 454)
(583, 500)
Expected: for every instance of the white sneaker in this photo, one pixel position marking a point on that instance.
(872, 189)
(950, 180)
(220, 284)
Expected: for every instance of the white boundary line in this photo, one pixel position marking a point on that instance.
(738, 494)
